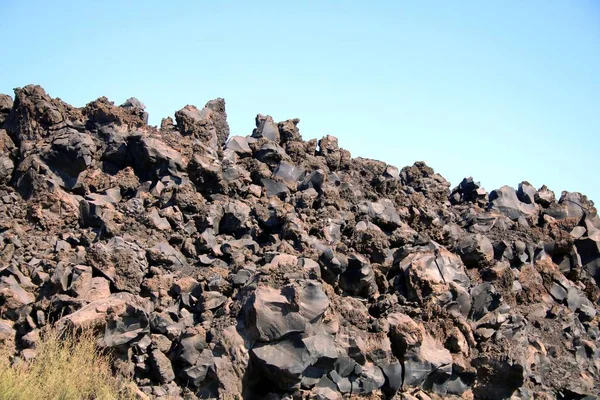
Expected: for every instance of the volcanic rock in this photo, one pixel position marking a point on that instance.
(265, 266)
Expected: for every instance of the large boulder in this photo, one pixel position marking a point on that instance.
(272, 314)
(208, 124)
(71, 152)
(432, 272)
(122, 317)
(282, 363)
(153, 159)
(122, 262)
(505, 200)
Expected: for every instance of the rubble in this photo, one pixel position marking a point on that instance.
(265, 266)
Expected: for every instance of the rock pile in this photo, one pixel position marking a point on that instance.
(268, 267)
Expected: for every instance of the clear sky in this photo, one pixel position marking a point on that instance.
(502, 91)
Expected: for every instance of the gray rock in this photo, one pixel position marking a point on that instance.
(239, 144)
(505, 200)
(289, 172)
(313, 180)
(211, 300)
(476, 251)
(358, 277)
(266, 128)
(71, 153)
(468, 191)
(166, 255)
(191, 344)
(274, 188)
(129, 325)
(161, 367)
(393, 378)
(544, 197)
(13, 298)
(433, 270)
(485, 299)
(153, 159)
(558, 292)
(526, 193)
(270, 153)
(282, 362)
(384, 214)
(197, 373)
(6, 104)
(428, 362)
(235, 217)
(570, 205)
(8, 154)
(273, 313)
(208, 124)
(123, 263)
(588, 251)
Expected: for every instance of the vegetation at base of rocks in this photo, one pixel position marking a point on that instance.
(65, 367)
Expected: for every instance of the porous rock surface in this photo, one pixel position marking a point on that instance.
(268, 267)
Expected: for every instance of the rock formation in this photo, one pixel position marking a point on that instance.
(268, 267)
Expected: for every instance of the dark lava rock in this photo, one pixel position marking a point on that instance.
(270, 267)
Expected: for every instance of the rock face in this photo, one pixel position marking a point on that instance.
(265, 266)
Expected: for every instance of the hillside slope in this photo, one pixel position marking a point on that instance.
(271, 267)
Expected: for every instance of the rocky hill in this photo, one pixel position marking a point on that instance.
(268, 267)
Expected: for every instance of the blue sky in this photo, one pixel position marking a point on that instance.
(502, 91)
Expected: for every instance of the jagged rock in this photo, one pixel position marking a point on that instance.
(274, 188)
(358, 277)
(87, 287)
(239, 144)
(432, 272)
(235, 216)
(153, 159)
(209, 124)
(6, 104)
(476, 251)
(497, 378)
(468, 191)
(544, 197)
(98, 210)
(161, 367)
(288, 131)
(393, 378)
(197, 373)
(313, 180)
(506, 201)
(485, 299)
(282, 363)
(570, 205)
(273, 314)
(427, 364)
(526, 193)
(289, 172)
(271, 267)
(383, 213)
(14, 297)
(122, 262)
(71, 152)
(136, 107)
(166, 255)
(106, 313)
(8, 154)
(266, 128)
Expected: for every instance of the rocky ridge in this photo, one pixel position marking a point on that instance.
(265, 266)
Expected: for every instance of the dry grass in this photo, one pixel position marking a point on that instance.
(69, 368)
